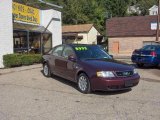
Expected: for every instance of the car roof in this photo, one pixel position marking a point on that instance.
(153, 45)
(75, 45)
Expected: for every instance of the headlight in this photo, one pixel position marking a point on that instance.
(135, 71)
(105, 74)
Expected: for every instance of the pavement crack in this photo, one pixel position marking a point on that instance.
(14, 71)
(75, 94)
(3, 116)
(150, 80)
(37, 88)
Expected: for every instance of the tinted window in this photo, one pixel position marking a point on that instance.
(149, 47)
(67, 52)
(91, 52)
(58, 51)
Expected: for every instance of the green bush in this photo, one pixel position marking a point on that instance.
(27, 59)
(14, 60)
(37, 58)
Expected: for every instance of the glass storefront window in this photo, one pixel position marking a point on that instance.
(34, 42)
(47, 42)
(31, 42)
(20, 42)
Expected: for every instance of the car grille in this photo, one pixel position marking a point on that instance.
(124, 73)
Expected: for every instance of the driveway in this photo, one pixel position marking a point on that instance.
(25, 94)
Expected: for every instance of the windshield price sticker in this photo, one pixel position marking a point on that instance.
(81, 48)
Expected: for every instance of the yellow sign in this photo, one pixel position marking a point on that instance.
(25, 13)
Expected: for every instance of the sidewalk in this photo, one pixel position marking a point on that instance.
(17, 69)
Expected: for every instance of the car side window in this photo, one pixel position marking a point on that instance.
(58, 51)
(67, 52)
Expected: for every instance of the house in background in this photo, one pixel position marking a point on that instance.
(133, 10)
(80, 34)
(125, 34)
(153, 10)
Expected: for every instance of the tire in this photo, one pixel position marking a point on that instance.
(140, 64)
(84, 85)
(156, 65)
(46, 70)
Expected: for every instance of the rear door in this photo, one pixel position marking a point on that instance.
(68, 68)
(55, 60)
(158, 53)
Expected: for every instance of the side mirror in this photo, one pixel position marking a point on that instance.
(72, 58)
(111, 56)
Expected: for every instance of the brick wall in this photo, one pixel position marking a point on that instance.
(127, 44)
(6, 29)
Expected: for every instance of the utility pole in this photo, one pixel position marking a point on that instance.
(157, 34)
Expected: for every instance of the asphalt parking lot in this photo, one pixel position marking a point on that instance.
(25, 94)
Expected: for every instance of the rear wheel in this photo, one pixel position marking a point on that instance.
(46, 70)
(140, 64)
(156, 65)
(84, 83)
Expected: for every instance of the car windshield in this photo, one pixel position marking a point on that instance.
(91, 52)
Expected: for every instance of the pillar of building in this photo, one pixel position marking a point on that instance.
(6, 29)
(51, 19)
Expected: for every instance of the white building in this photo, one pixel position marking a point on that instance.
(133, 9)
(27, 29)
(153, 10)
(81, 34)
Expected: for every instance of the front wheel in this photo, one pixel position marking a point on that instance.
(84, 83)
(46, 70)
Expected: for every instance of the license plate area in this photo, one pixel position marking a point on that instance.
(128, 83)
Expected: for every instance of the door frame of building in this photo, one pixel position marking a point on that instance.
(115, 47)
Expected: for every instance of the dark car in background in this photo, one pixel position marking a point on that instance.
(90, 67)
(148, 55)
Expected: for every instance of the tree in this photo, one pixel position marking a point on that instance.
(117, 8)
(95, 11)
(83, 11)
(144, 5)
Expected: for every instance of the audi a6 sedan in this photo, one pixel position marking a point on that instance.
(90, 67)
(149, 55)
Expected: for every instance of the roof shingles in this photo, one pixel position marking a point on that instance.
(77, 28)
(130, 26)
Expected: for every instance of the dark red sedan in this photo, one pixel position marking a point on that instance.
(90, 67)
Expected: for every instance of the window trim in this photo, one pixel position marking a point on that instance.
(71, 49)
(55, 49)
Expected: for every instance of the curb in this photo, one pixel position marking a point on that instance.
(19, 69)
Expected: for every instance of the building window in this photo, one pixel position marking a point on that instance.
(31, 42)
(20, 42)
(34, 42)
(47, 42)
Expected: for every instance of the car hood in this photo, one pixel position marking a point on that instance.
(107, 65)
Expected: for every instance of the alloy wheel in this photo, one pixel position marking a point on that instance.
(46, 70)
(83, 83)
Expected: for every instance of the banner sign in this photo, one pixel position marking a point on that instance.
(25, 13)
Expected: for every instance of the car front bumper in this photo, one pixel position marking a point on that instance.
(114, 84)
